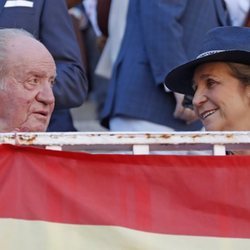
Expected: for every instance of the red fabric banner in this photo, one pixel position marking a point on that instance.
(187, 195)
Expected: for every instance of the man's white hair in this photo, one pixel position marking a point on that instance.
(6, 35)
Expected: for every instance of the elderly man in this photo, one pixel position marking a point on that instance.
(27, 74)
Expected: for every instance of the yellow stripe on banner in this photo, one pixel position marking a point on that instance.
(30, 235)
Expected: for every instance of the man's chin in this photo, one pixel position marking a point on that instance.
(32, 128)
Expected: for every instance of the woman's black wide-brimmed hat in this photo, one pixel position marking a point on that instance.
(222, 44)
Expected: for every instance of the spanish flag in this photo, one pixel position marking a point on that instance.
(53, 200)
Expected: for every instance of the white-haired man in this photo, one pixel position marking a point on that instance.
(27, 74)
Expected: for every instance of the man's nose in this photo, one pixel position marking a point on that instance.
(45, 94)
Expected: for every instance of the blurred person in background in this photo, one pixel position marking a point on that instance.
(112, 22)
(95, 39)
(92, 16)
(159, 35)
(50, 23)
(238, 11)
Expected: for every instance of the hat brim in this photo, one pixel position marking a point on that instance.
(180, 79)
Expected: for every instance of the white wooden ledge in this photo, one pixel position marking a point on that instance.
(133, 143)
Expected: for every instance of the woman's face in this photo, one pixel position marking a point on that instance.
(221, 101)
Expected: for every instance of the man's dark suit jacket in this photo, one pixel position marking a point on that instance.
(49, 22)
(159, 36)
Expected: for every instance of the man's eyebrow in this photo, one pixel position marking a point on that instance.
(34, 72)
(40, 73)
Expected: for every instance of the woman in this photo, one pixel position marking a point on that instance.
(222, 95)
(219, 80)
